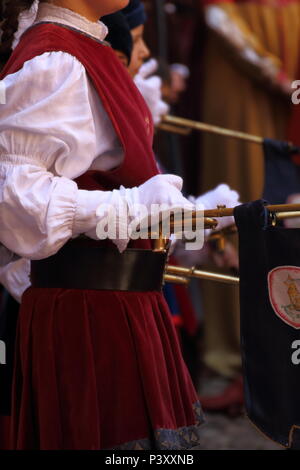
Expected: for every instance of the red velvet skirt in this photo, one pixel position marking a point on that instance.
(100, 370)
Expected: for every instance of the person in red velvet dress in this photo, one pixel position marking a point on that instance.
(98, 364)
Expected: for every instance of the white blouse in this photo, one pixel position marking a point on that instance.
(53, 128)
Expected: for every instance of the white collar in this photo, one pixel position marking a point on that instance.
(56, 14)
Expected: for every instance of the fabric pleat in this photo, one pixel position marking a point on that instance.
(101, 370)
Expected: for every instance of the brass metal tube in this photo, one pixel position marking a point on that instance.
(200, 274)
(279, 208)
(174, 129)
(287, 215)
(201, 126)
(176, 279)
(178, 227)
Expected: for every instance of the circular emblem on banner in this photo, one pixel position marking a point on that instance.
(284, 294)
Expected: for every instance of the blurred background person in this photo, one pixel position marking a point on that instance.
(250, 58)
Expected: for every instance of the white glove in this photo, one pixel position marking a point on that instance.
(222, 195)
(150, 87)
(160, 189)
(139, 203)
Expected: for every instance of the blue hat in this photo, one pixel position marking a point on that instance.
(119, 35)
(135, 14)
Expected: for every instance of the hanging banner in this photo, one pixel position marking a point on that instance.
(270, 323)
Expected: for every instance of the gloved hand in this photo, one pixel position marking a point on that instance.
(150, 87)
(160, 189)
(222, 195)
(140, 202)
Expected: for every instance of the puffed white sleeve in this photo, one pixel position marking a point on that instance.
(46, 123)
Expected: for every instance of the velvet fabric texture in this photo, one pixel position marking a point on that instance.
(101, 369)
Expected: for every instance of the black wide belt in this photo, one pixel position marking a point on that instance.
(88, 266)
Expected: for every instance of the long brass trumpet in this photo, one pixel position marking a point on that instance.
(278, 212)
(161, 242)
(282, 211)
(179, 125)
(182, 275)
(163, 126)
(175, 279)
